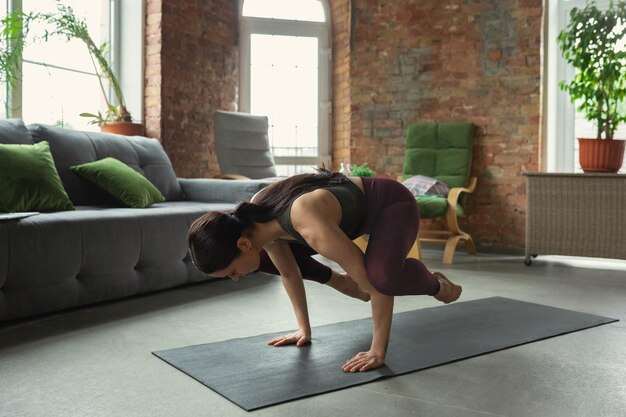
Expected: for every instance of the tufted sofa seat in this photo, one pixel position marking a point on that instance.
(57, 260)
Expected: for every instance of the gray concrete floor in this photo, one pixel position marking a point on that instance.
(96, 361)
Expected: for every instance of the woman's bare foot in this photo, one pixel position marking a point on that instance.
(448, 291)
(346, 285)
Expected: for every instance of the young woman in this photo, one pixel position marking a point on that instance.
(324, 212)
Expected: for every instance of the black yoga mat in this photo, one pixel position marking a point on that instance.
(253, 375)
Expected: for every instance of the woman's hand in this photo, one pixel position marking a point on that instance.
(299, 338)
(364, 361)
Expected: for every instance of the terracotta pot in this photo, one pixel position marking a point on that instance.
(601, 155)
(123, 128)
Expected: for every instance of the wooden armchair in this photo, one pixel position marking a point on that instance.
(442, 151)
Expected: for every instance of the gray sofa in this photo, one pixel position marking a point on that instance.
(57, 260)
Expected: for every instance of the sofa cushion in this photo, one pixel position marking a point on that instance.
(13, 131)
(29, 180)
(73, 147)
(121, 181)
(66, 259)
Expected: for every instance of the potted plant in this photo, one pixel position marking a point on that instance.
(362, 171)
(592, 43)
(64, 23)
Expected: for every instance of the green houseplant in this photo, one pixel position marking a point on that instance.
(362, 171)
(592, 43)
(65, 24)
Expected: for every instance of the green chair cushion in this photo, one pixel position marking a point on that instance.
(435, 206)
(121, 181)
(29, 180)
(442, 151)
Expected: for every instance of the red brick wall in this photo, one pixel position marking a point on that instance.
(394, 63)
(198, 64)
(455, 60)
(340, 12)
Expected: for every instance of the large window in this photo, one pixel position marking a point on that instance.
(58, 77)
(564, 123)
(59, 81)
(285, 65)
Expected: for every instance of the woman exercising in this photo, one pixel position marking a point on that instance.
(322, 213)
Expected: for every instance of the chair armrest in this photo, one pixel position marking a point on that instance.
(453, 199)
(453, 195)
(211, 190)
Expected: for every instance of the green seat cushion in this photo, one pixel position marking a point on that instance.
(434, 206)
(121, 181)
(29, 180)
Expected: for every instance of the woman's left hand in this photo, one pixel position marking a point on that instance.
(364, 361)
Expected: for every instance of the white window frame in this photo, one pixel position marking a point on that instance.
(126, 22)
(320, 30)
(559, 148)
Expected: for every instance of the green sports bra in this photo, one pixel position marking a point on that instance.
(352, 203)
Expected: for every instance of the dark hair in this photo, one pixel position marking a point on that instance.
(212, 238)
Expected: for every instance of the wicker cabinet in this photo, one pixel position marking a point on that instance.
(576, 214)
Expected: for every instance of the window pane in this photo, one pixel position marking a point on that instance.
(307, 10)
(68, 54)
(284, 87)
(57, 97)
(288, 170)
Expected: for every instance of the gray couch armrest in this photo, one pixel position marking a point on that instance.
(210, 190)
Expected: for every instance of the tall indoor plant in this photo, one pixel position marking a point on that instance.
(592, 43)
(64, 23)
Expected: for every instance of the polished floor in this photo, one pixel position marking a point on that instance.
(96, 361)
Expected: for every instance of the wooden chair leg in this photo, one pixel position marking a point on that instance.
(361, 242)
(451, 244)
(448, 254)
(469, 245)
(416, 250)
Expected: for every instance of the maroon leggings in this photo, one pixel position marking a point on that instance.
(392, 221)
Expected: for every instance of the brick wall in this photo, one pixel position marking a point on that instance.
(192, 67)
(455, 60)
(341, 20)
(394, 63)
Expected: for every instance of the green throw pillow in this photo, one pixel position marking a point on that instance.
(121, 181)
(29, 180)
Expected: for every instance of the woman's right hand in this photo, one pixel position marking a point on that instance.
(299, 338)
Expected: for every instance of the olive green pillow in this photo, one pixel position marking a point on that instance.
(29, 180)
(121, 181)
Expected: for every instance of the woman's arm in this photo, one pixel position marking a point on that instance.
(282, 257)
(325, 236)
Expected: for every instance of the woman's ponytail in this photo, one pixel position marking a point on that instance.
(250, 213)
